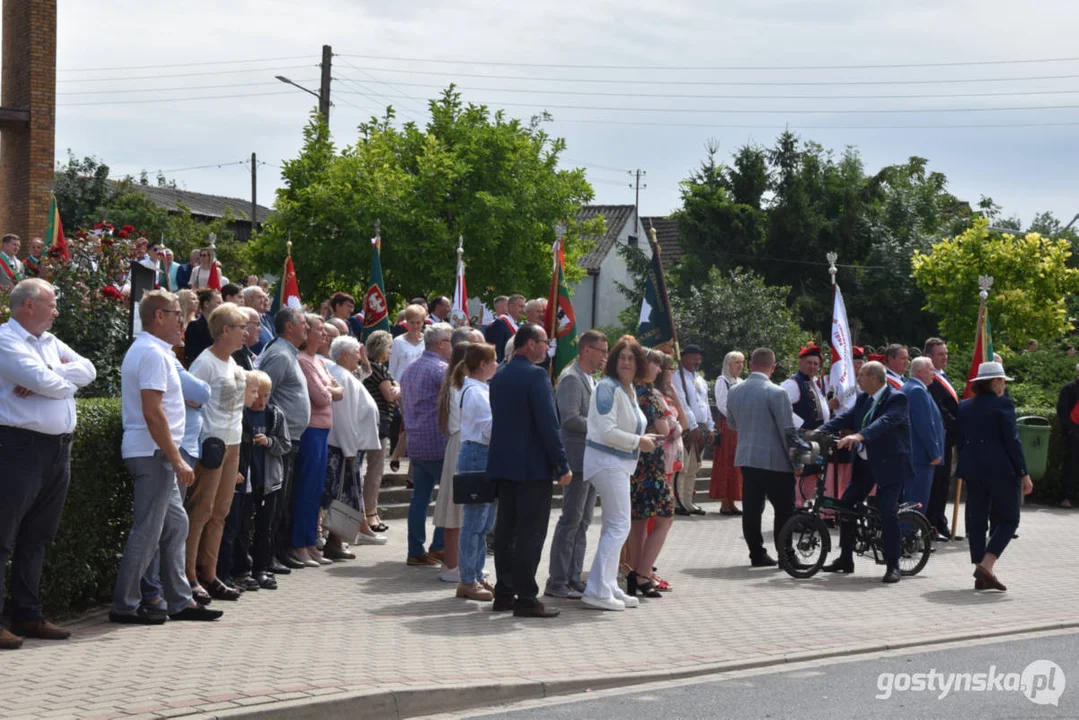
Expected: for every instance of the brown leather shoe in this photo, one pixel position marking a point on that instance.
(40, 629)
(439, 555)
(9, 641)
(990, 579)
(422, 561)
(535, 611)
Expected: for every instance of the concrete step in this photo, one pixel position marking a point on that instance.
(395, 497)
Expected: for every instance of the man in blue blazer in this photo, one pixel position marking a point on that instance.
(880, 421)
(926, 432)
(525, 455)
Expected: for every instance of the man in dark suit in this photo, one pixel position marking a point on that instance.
(947, 400)
(880, 422)
(1066, 402)
(504, 327)
(183, 273)
(926, 432)
(197, 336)
(526, 453)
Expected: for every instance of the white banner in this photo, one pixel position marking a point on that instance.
(841, 379)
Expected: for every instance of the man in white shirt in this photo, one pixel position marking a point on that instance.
(39, 376)
(154, 419)
(693, 393)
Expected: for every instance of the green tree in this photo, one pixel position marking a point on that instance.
(470, 172)
(736, 310)
(1031, 279)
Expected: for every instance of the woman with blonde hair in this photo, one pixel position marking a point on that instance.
(726, 481)
(407, 349)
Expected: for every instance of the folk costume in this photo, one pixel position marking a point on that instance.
(810, 412)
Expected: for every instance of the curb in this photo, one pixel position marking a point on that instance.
(417, 701)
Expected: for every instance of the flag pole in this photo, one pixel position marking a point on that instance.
(832, 270)
(550, 317)
(984, 283)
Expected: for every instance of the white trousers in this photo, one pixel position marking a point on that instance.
(612, 487)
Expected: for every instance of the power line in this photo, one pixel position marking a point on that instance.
(724, 126)
(784, 111)
(396, 90)
(179, 99)
(965, 63)
(182, 75)
(195, 64)
(179, 87)
(746, 83)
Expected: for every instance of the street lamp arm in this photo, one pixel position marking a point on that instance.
(285, 80)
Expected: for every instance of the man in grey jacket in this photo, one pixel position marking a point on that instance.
(760, 412)
(573, 397)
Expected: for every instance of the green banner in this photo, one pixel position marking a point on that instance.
(656, 325)
(376, 309)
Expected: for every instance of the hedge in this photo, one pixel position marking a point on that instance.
(80, 567)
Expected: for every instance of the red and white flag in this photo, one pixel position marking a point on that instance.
(459, 313)
(841, 380)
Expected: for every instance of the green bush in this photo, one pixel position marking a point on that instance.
(81, 564)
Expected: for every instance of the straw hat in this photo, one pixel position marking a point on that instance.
(991, 371)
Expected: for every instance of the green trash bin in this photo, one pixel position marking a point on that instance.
(1034, 434)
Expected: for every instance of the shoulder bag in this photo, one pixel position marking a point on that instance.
(473, 487)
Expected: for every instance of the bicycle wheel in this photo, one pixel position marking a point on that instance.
(916, 542)
(804, 543)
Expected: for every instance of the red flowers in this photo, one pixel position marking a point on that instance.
(112, 292)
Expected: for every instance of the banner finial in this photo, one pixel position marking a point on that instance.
(832, 257)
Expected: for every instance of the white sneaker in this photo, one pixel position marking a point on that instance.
(630, 602)
(363, 539)
(602, 604)
(450, 575)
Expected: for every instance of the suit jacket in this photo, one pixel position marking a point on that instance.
(1069, 395)
(498, 334)
(988, 441)
(573, 396)
(525, 442)
(926, 427)
(760, 412)
(245, 358)
(196, 339)
(183, 276)
(886, 432)
(949, 407)
(18, 267)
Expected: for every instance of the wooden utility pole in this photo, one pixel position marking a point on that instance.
(324, 86)
(637, 198)
(254, 194)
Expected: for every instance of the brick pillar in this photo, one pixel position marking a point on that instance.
(27, 154)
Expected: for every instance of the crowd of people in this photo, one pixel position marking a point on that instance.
(258, 445)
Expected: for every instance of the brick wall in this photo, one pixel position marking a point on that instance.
(28, 66)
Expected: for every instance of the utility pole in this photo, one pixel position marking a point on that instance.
(637, 197)
(324, 86)
(254, 193)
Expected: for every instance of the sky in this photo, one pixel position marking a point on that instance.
(610, 73)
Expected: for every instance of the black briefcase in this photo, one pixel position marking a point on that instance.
(473, 488)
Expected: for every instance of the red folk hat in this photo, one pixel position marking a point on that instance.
(859, 353)
(809, 349)
(876, 357)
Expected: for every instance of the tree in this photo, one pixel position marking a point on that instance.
(470, 172)
(1031, 279)
(736, 310)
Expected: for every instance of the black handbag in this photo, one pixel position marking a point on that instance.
(213, 453)
(473, 488)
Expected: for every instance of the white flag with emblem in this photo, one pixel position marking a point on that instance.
(841, 380)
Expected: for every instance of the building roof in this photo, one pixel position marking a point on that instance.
(212, 206)
(670, 247)
(616, 217)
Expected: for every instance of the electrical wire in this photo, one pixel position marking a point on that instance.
(182, 99)
(194, 64)
(183, 75)
(964, 63)
(723, 126)
(171, 89)
(396, 90)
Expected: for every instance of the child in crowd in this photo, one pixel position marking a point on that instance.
(234, 560)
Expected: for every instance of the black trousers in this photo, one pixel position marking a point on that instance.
(524, 510)
(262, 542)
(888, 497)
(938, 496)
(992, 505)
(234, 538)
(33, 488)
(282, 534)
(1071, 467)
(757, 486)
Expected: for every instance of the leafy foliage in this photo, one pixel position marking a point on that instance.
(736, 310)
(470, 173)
(1031, 279)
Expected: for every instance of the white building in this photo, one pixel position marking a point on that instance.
(597, 300)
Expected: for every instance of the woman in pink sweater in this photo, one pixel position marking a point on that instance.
(312, 457)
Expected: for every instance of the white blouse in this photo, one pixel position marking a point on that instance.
(722, 390)
(222, 416)
(404, 354)
(355, 416)
(476, 418)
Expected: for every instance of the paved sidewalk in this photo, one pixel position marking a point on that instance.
(375, 638)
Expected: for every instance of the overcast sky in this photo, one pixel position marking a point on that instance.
(505, 55)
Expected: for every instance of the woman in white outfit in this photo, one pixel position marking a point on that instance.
(613, 442)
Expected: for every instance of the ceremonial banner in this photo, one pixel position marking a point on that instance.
(54, 233)
(214, 281)
(655, 328)
(983, 348)
(841, 379)
(459, 313)
(376, 311)
(561, 321)
(288, 292)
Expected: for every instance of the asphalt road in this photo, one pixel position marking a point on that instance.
(871, 686)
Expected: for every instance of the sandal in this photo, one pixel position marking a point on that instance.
(381, 527)
(661, 584)
(220, 591)
(199, 595)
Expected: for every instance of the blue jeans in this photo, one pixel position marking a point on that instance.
(160, 525)
(425, 475)
(310, 479)
(478, 519)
